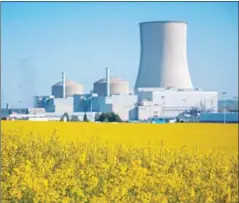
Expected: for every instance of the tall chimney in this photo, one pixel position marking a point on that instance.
(107, 82)
(63, 85)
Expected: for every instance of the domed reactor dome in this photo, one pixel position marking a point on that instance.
(71, 88)
(117, 86)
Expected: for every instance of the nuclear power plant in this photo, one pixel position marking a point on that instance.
(163, 88)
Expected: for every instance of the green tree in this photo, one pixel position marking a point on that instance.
(64, 117)
(102, 117)
(85, 119)
(117, 118)
(97, 117)
(106, 120)
(109, 117)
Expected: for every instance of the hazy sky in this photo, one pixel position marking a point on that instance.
(39, 40)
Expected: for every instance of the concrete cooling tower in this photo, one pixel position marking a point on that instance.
(163, 60)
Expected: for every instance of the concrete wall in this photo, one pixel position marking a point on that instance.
(123, 105)
(63, 105)
(144, 112)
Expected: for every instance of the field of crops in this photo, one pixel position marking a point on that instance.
(90, 162)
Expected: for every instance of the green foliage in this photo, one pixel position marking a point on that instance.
(97, 116)
(106, 120)
(65, 116)
(117, 118)
(85, 119)
(108, 117)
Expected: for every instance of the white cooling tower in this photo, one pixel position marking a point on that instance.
(163, 60)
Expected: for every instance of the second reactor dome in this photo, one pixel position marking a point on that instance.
(71, 88)
(117, 86)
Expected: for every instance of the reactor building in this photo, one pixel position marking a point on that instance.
(66, 88)
(62, 98)
(117, 86)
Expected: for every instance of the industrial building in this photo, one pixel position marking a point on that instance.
(52, 104)
(66, 88)
(163, 87)
(168, 103)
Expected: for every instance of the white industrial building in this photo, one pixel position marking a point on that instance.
(61, 100)
(123, 105)
(171, 102)
(52, 104)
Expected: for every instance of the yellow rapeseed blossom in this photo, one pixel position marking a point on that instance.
(124, 163)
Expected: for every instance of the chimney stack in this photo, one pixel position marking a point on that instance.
(63, 85)
(107, 82)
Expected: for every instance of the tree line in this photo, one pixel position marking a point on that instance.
(103, 117)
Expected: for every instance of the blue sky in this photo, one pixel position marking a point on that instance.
(39, 40)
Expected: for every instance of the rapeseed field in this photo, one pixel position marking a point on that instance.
(91, 162)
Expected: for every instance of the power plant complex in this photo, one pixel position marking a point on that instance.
(163, 87)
